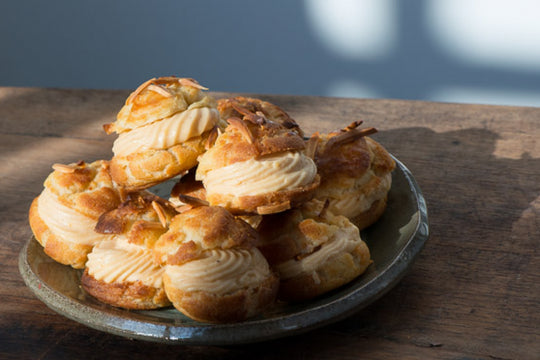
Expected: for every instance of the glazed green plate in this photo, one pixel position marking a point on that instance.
(395, 241)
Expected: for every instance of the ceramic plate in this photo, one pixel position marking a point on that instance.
(395, 241)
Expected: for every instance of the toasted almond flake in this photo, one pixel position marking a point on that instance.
(322, 213)
(193, 201)
(191, 82)
(67, 169)
(155, 81)
(241, 126)
(108, 128)
(124, 194)
(160, 213)
(272, 209)
(183, 208)
(349, 136)
(212, 137)
(139, 90)
(160, 90)
(256, 119)
(152, 225)
(311, 146)
(242, 110)
(353, 125)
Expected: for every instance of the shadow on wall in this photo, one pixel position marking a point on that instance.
(447, 50)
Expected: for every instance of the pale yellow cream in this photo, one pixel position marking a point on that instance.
(67, 223)
(279, 172)
(118, 261)
(353, 202)
(222, 272)
(167, 132)
(345, 239)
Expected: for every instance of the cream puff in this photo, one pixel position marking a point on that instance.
(163, 127)
(257, 166)
(64, 215)
(213, 271)
(313, 250)
(356, 173)
(121, 271)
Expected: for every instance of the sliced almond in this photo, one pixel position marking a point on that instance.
(324, 209)
(212, 137)
(139, 90)
(193, 201)
(67, 169)
(272, 209)
(183, 208)
(160, 90)
(192, 83)
(311, 146)
(241, 126)
(353, 125)
(154, 81)
(160, 213)
(349, 136)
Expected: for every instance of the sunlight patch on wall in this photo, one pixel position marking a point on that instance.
(354, 29)
(500, 33)
(485, 96)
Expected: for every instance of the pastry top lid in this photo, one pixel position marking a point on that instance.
(157, 99)
(142, 218)
(203, 228)
(344, 151)
(85, 187)
(249, 136)
(234, 107)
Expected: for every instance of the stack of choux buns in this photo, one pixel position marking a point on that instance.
(259, 213)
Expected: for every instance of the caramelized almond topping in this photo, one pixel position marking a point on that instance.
(353, 125)
(160, 90)
(139, 90)
(257, 118)
(193, 201)
(183, 208)
(271, 209)
(322, 213)
(160, 213)
(212, 137)
(241, 126)
(162, 81)
(123, 194)
(311, 146)
(242, 110)
(67, 169)
(192, 83)
(349, 136)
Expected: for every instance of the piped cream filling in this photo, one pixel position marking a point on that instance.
(277, 172)
(222, 272)
(352, 202)
(344, 240)
(167, 132)
(67, 223)
(118, 261)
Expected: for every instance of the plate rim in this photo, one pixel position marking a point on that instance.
(221, 334)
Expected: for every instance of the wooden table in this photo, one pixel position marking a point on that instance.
(474, 292)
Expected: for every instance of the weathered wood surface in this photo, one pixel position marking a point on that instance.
(474, 293)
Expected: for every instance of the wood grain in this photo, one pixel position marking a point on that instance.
(474, 293)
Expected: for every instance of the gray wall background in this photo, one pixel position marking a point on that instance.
(246, 46)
